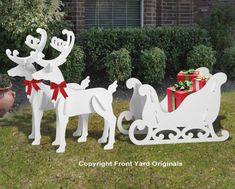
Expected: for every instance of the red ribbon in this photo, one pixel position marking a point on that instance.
(58, 88)
(32, 84)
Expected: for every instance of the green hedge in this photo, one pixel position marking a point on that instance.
(118, 65)
(229, 62)
(201, 56)
(73, 68)
(175, 41)
(153, 64)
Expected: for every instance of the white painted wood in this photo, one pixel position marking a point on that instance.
(40, 100)
(191, 122)
(70, 101)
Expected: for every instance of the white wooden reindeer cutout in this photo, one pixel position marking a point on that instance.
(191, 122)
(38, 93)
(69, 101)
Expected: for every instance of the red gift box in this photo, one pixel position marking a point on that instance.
(187, 75)
(176, 97)
(199, 82)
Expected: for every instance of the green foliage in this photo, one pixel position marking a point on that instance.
(220, 25)
(229, 62)
(4, 81)
(74, 66)
(175, 41)
(153, 64)
(201, 56)
(118, 65)
(18, 18)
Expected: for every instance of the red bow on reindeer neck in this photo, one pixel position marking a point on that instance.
(31, 84)
(58, 88)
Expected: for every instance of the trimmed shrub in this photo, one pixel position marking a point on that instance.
(118, 65)
(201, 56)
(73, 68)
(175, 41)
(220, 25)
(153, 64)
(229, 62)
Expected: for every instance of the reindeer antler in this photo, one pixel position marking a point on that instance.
(60, 45)
(34, 43)
(18, 60)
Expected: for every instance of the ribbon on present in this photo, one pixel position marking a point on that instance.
(183, 85)
(187, 73)
(200, 81)
(200, 77)
(173, 100)
(30, 84)
(181, 89)
(58, 88)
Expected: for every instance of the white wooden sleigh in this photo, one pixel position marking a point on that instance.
(191, 122)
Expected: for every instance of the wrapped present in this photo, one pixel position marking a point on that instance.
(187, 75)
(199, 82)
(176, 94)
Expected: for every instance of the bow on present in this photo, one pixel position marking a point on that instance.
(187, 72)
(58, 88)
(200, 77)
(31, 84)
(183, 85)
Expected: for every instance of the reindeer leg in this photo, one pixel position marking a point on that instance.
(83, 138)
(63, 124)
(112, 123)
(32, 134)
(63, 120)
(57, 138)
(37, 114)
(78, 131)
(104, 137)
(106, 111)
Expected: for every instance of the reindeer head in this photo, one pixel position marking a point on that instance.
(51, 69)
(25, 66)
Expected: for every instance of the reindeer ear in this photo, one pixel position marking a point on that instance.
(49, 68)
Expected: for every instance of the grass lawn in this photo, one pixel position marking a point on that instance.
(204, 165)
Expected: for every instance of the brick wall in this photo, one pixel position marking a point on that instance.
(150, 12)
(156, 12)
(75, 12)
(177, 12)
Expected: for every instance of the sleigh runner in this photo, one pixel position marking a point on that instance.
(191, 122)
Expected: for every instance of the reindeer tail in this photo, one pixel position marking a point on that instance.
(113, 87)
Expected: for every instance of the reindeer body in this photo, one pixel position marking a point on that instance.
(69, 101)
(40, 100)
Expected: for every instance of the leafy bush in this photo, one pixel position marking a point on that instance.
(201, 56)
(4, 81)
(18, 18)
(220, 25)
(175, 41)
(118, 65)
(153, 64)
(229, 62)
(73, 68)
